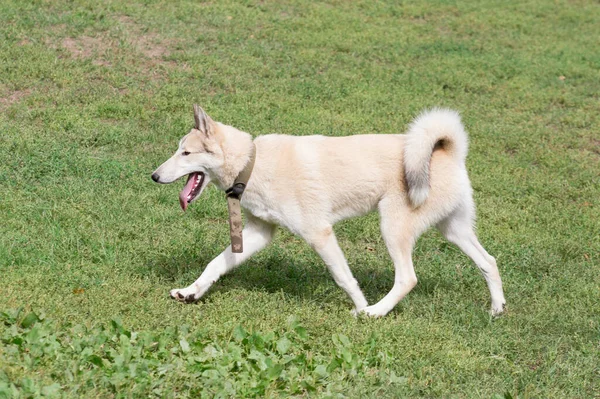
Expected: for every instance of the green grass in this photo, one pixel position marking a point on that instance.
(95, 95)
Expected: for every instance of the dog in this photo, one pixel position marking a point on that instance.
(308, 183)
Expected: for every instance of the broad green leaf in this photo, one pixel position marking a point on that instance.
(301, 331)
(321, 371)
(96, 360)
(283, 345)
(29, 320)
(185, 346)
(239, 333)
(344, 340)
(274, 371)
(259, 357)
(346, 355)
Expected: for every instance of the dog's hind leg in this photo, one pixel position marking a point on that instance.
(399, 238)
(458, 229)
(257, 234)
(325, 244)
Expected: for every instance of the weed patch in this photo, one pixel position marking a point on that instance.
(111, 360)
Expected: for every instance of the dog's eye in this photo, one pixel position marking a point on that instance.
(185, 153)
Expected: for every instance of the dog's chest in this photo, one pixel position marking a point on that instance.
(261, 208)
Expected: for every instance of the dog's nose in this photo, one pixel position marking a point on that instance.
(155, 177)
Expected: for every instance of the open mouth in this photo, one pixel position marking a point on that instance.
(192, 189)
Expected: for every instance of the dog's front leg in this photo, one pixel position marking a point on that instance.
(257, 234)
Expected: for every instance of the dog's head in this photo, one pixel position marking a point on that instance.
(198, 154)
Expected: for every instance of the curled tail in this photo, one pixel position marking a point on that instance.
(437, 128)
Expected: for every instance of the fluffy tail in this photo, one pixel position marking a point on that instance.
(438, 128)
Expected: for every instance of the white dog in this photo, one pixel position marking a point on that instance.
(309, 183)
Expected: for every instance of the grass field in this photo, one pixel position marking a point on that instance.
(94, 95)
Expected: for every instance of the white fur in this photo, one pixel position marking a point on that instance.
(422, 135)
(309, 183)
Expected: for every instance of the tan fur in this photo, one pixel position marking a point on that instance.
(309, 183)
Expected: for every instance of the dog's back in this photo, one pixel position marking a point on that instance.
(334, 178)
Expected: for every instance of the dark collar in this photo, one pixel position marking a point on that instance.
(234, 194)
(241, 181)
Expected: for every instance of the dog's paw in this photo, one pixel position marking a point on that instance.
(498, 309)
(185, 295)
(356, 312)
(373, 311)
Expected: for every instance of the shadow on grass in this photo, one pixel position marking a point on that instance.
(304, 276)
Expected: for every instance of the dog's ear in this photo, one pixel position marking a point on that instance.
(203, 122)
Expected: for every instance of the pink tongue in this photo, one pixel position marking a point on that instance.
(187, 189)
